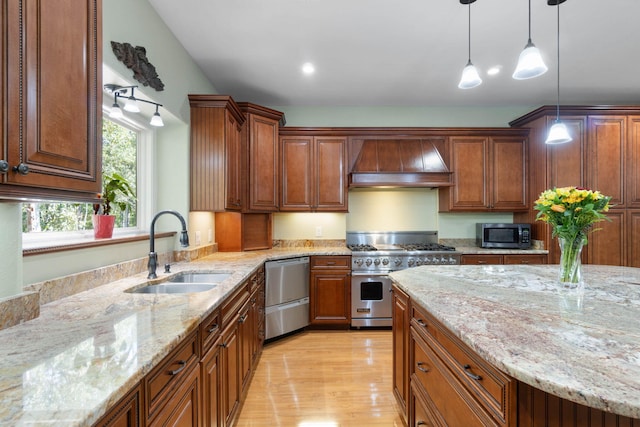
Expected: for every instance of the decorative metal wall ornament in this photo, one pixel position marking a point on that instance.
(135, 58)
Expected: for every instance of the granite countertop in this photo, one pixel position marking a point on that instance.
(581, 344)
(84, 352)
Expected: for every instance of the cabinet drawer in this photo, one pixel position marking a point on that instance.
(442, 387)
(161, 382)
(480, 259)
(525, 259)
(210, 329)
(337, 262)
(490, 386)
(233, 304)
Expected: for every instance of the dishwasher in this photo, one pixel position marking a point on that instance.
(286, 296)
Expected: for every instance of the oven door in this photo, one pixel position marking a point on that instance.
(371, 302)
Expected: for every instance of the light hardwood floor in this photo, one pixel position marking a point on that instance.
(323, 379)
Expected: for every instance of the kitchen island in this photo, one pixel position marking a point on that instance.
(581, 345)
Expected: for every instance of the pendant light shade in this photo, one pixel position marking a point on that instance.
(530, 63)
(156, 119)
(116, 111)
(470, 76)
(558, 133)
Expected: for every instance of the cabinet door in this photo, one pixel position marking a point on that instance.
(400, 338)
(126, 413)
(329, 298)
(297, 172)
(211, 386)
(470, 167)
(633, 231)
(245, 335)
(607, 245)
(53, 128)
(606, 153)
(263, 164)
(330, 172)
(508, 174)
(183, 409)
(231, 353)
(233, 168)
(633, 163)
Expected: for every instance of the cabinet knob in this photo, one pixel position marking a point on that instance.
(4, 166)
(22, 169)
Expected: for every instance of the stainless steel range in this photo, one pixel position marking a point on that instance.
(376, 254)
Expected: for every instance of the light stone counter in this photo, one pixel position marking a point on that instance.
(582, 345)
(84, 352)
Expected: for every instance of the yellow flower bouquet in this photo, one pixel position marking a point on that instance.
(572, 212)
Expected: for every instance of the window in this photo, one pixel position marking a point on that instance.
(119, 154)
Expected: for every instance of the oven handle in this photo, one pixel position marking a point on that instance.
(369, 273)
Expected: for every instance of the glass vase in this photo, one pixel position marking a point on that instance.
(570, 263)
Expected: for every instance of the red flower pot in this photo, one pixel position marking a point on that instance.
(103, 226)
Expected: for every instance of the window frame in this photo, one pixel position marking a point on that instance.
(145, 194)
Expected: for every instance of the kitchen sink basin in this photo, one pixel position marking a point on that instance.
(199, 277)
(185, 283)
(174, 288)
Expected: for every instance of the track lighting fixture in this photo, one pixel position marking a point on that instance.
(558, 133)
(470, 77)
(530, 63)
(131, 103)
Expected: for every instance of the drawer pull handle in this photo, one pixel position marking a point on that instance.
(482, 262)
(422, 323)
(182, 363)
(213, 328)
(420, 367)
(242, 318)
(471, 374)
(421, 423)
(331, 263)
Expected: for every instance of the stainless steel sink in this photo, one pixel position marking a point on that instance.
(174, 288)
(197, 277)
(185, 283)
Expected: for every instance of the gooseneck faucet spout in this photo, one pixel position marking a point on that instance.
(153, 256)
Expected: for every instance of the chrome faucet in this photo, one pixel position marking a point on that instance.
(153, 256)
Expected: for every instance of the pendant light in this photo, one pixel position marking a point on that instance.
(530, 63)
(558, 133)
(470, 77)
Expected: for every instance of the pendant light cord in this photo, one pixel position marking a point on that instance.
(469, 32)
(529, 21)
(558, 82)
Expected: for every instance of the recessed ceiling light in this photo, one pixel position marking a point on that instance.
(494, 70)
(308, 68)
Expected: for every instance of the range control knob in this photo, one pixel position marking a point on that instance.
(385, 261)
(411, 261)
(452, 260)
(376, 261)
(368, 262)
(419, 261)
(358, 262)
(397, 261)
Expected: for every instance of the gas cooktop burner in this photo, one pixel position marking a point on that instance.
(361, 247)
(426, 247)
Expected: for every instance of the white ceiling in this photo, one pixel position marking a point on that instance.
(408, 52)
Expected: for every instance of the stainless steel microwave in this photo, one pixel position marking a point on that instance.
(503, 236)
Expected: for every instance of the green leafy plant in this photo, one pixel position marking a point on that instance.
(117, 191)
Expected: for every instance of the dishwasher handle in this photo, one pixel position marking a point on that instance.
(281, 262)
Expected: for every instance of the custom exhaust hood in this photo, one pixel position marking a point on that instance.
(400, 163)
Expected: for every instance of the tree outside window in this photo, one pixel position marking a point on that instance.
(119, 154)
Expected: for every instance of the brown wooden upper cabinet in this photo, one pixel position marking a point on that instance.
(216, 126)
(313, 173)
(603, 155)
(51, 145)
(260, 148)
(489, 174)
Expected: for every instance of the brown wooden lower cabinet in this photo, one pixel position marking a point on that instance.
(187, 389)
(330, 291)
(481, 259)
(450, 385)
(126, 413)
